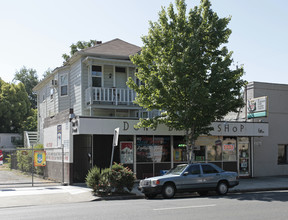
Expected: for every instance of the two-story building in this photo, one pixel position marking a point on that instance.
(82, 103)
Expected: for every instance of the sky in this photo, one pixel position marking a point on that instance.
(35, 33)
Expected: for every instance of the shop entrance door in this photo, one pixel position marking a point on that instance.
(243, 157)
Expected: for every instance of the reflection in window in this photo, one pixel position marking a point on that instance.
(153, 149)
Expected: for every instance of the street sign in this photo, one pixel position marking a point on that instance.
(115, 138)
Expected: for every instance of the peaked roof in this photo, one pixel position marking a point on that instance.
(114, 48)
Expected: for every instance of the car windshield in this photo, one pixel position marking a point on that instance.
(177, 170)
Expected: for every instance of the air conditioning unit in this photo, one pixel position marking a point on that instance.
(54, 82)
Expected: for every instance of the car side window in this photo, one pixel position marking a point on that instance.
(194, 170)
(207, 169)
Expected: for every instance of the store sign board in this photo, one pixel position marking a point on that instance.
(127, 127)
(257, 107)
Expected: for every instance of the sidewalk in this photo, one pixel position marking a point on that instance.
(33, 196)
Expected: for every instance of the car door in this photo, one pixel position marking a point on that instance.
(191, 178)
(211, 176)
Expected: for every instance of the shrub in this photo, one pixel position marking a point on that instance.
(104, 181)
(24, 160)
(93, 179)
(121, 178)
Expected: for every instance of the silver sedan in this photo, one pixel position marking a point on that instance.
(196, 177)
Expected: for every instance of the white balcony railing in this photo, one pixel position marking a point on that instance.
(114, 96)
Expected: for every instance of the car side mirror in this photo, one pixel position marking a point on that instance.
(185, 173)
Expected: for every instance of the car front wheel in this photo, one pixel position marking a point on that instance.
(168, 191)
(222, 188)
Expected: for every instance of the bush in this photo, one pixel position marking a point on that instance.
(121, 178)
(106, 181)
(24, 160)
(93, 178)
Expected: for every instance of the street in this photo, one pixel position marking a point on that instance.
(261, 205)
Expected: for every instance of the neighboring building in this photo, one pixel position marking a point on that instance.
(9, 141)
(271, 152)
(81, 104)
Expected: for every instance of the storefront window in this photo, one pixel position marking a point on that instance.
(199, 154)
(179, 149)
(229, 149)
(153, 149)
(213, 146)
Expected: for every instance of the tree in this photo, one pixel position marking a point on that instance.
(14, 106)
(30, 79)
(185, 71)
(80, 45)
(48, 72)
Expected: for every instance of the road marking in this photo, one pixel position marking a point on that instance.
(185, 207)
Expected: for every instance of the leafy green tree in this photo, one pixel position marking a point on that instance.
(15, 106)
(30, 79)
(30, 122)
(80, 45)
(186, 71)
(48, 72)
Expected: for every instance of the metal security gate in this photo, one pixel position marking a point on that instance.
(26, 167)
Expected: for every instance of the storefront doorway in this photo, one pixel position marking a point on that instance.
(243, 156)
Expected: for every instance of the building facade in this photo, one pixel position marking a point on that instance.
(81, 104)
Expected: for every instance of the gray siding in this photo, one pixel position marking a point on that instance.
(75, 92)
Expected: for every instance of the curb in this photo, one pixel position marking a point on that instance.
(257, 190)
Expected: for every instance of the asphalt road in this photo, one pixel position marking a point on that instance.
(262, 205)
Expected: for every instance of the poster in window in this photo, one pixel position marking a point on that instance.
(126, 152)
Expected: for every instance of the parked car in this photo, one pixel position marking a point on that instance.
(196, 177)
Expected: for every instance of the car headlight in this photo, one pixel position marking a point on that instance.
(155, 182)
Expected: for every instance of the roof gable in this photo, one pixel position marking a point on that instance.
(115, 48)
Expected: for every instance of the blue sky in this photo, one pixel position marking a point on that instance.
(36, 33)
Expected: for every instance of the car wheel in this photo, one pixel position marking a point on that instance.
(168, 191)
(150, 196)
(222, 188)
(203, 193)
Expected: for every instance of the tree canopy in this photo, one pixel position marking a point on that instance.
(80, 45)
(14, 106)
(30, 79)
(186, 70)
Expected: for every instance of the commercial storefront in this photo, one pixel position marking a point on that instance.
(151, 151)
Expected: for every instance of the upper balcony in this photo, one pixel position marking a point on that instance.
(115, 97)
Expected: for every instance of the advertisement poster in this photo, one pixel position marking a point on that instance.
(40, 158)
(126, 152)
(59, 135)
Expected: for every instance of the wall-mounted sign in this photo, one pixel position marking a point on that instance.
(40, 158)
(257, 107)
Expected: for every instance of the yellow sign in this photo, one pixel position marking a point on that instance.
(40, 158)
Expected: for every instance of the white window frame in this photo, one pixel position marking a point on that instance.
(97, 74)
(64, 83)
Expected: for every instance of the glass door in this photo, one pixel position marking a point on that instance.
(243, 156)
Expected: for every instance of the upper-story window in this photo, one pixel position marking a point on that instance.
(51, 93)
(64, 84)
(96, 76)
